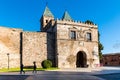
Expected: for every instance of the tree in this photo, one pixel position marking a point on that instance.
(89, 22)
(100, 47)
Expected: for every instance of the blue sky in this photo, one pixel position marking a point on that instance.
(25, 14)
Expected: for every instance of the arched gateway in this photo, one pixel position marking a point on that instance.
(81, 59)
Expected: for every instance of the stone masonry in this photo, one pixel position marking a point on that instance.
(68, 44)
(9, 43)
(34, 48)
(69, 48)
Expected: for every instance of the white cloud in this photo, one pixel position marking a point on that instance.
(116, 46)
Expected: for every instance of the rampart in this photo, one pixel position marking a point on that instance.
(34, 48)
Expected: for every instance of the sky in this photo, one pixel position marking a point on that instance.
(26, 14)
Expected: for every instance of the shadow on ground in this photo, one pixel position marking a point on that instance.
(14, 77)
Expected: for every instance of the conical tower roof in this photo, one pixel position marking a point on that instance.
(66, 16)
(47, 12)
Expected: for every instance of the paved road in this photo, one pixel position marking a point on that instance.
(115, 76)
(108, 73)
(48, 75)
(13, 77)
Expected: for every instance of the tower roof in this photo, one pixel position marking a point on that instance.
(47, 12)
(66, 16)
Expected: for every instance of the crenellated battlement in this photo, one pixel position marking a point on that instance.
(72, 22)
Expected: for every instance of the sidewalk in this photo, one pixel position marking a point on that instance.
(106, 70)
(101, 70)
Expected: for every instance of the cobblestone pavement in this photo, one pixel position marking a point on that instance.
(48, 75)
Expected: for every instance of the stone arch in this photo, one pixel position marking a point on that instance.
(81, 59)
(77, 50)
(81, 49)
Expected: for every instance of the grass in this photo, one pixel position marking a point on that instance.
(10, 70)
(26, 69)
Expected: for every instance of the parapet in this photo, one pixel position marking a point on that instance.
(11, 29)
(72, 22)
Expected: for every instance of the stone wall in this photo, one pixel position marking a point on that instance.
(51, 47)
(34, 48)
(71, 48)
(9, 43)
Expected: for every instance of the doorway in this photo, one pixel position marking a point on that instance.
(81, 60)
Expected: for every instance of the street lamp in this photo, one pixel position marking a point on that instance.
(8, 60)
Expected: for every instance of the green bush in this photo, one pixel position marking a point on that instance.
(46, 64)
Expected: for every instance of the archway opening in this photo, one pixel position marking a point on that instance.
(81, 60)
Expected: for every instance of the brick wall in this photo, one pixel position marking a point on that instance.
(111, 59)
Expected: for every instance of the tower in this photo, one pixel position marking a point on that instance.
(46, 18)
(66, 16)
